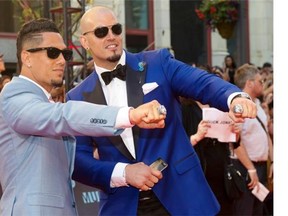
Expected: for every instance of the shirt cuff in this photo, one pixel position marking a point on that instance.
(122, 119)
(118, 176)
(237, 94)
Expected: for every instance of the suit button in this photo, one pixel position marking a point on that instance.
(98, 121)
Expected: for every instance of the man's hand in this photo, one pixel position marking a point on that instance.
(202, 130)
(271, 171)
(141, 176)
(147, 116)
(249, 109)
(253, 179)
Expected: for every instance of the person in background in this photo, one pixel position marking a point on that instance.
(4, 80)
(122, 171)
(219, 72)
(255, 138)
(2, 64)
(266, 70)
(58, 94)
(229, 67)
(213, 154)
(37, 144)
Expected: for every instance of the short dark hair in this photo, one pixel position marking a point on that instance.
(267, 64)
(30, 30)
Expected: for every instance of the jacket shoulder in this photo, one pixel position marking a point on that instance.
(86, 85)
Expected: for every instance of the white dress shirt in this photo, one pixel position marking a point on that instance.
(116, 95)
(253, 136)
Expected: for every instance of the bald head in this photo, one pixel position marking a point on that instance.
(94, 17)
(104, 45)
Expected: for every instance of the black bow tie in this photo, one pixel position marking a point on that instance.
(119, 72)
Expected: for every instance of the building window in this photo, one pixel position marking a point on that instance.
(136, 14)
(139, 25)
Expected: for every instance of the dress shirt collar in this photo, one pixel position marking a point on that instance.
(48, 95)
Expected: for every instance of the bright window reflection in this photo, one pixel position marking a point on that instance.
(136, 14)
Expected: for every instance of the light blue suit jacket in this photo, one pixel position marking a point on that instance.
(183, 190)
(37, 148)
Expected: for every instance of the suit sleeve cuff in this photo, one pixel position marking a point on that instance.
(118, 176)
(235, 95)
(122, 119)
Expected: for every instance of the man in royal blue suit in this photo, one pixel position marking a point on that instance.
(121, 169)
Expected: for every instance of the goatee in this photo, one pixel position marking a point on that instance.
(56, 83)
(114, 58)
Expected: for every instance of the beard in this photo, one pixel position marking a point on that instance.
(114, 58)
(56, 83)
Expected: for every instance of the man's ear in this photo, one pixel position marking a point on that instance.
(25, 58)
(84, 42)
(249, 83)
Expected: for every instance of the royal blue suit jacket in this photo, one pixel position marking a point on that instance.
(183, 189)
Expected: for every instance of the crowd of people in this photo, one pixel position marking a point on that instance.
(253, 155)
(124, 116)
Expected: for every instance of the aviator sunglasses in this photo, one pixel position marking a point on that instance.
(53, 52)
(101, 32)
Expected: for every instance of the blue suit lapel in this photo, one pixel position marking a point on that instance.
(95, 96)
(134, 82)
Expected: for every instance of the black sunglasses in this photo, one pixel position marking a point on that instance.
(53, 52)
(101, 32)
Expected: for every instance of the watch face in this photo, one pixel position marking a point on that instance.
(243, 95)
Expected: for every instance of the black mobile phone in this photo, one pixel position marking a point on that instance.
(159, 164)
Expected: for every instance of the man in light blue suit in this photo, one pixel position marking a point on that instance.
(122, 169)
(37, 146)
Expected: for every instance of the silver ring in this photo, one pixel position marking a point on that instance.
(238, 109)
(162, 110)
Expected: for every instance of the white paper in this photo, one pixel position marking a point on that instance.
(262, 193)
(148, 87)
(219, 122)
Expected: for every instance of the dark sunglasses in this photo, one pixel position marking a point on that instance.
(101, 32)
(53, 52)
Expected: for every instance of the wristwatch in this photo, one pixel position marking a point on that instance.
(242, 95)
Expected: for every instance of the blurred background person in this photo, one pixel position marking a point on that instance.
(213, 154)
(255, 138)
(58, 94)
(2, 64)
(4, 80)
(230, 67)
(220, 72)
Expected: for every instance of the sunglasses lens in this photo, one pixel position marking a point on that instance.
(53, 52)
(117, 29)
(67, 54)
(101, 32)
